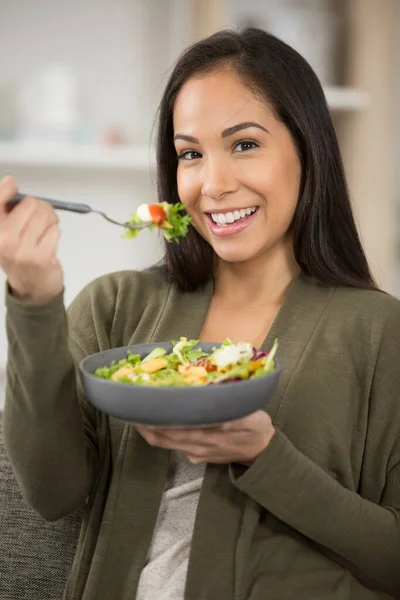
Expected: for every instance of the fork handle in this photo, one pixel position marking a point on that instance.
(58, 204)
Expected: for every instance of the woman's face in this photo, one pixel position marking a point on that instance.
(238, 169)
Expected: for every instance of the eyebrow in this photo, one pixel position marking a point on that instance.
(225, 133)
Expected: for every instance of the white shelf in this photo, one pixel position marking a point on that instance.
(76, 156)
(130, 158)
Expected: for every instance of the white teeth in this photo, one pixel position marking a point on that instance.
(231, 217)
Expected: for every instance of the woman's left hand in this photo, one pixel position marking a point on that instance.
(238, 441)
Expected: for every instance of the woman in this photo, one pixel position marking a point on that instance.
(300, 502)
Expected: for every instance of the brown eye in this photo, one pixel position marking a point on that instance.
(189, 155)
(245, 145)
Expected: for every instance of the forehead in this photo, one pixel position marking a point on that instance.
(217, 100)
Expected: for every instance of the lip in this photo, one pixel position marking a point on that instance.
(231, 228)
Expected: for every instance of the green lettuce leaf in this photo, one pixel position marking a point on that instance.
(107, 372)
(131, 234)
(193, 355)
(180, 223)
(182, 347)
(156, 353)
(270, 362)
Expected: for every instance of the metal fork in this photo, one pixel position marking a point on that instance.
(78, 208)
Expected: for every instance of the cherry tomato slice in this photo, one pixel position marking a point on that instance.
(157, 213)
(203, 362)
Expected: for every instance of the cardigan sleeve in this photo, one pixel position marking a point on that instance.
(49, 428)
(365, 536)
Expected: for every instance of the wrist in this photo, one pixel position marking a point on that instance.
(30, 299)
(27, 298)
(269, 435)
(263, 445)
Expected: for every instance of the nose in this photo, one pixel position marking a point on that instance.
(218, 178)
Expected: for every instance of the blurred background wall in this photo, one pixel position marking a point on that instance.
(80, 83)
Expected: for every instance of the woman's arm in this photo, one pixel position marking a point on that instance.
(49, 429)
(364, 536)
(297, 491)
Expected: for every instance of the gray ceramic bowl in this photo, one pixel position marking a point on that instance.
(173, 406)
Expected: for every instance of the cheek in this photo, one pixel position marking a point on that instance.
(282, 187)
(188, 187)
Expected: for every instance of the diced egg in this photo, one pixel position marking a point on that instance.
(229, 355)
(143, 212)
(144, 377)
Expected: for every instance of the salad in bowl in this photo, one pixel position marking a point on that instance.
(188, 365)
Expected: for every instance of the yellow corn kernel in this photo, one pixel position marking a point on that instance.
(256, 364)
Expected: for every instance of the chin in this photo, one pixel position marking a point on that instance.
(238, 253)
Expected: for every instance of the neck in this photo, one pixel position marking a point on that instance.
(265, 279)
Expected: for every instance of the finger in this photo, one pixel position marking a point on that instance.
(153, 438)
(196, 460)
(44, 213)
(48, 244)
(22, 230)
(21, 214)
(157, 440)
(227, 426)
(146, 434)
(8, 189)
(246, 423)
(207, 437)
(34, 230)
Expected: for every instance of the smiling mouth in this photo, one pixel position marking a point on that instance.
(235, 216)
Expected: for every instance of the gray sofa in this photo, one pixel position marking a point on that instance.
(35, 556)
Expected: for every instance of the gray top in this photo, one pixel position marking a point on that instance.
(164, 576)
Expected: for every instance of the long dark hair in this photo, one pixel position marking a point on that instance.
(327, 246)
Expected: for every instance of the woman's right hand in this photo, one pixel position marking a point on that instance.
(29, 236)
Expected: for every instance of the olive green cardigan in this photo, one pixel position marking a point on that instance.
(316, 516)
